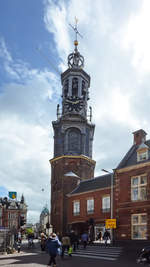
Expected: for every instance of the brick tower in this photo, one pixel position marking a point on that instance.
(73, 138)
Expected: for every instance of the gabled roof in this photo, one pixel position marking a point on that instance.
(131, 157)
(100, 182)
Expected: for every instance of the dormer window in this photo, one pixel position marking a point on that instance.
(142, 152)
(142, 156)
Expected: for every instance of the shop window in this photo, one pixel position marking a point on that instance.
(139, 226)
(76, 208)
(106, 204)
(90, 205)
(138, 188)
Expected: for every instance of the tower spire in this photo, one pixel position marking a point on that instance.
(75, 60)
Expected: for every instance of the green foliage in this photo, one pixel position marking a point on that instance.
(29, 231)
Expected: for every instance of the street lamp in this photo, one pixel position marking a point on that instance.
(111, 197)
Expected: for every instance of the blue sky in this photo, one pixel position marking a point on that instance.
(115, 46)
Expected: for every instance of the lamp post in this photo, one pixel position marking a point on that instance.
(111, 197)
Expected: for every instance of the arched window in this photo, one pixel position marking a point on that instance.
(66, 84)
(74, 87)
(83, 89)
(74, 141)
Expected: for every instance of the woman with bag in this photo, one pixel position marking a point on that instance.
(52, 246)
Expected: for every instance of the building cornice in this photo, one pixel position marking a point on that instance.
(89, 191)
(74, 157)
(134, 207)
(133, 167)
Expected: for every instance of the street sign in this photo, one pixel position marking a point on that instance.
(12, 195)
(110, 223)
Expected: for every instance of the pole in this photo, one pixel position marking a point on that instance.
(111, 214)
(111, 200)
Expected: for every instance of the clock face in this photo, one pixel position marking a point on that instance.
(74, 104)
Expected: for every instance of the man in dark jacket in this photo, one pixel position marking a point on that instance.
(106, 237)
(73, 240)
(52, 246)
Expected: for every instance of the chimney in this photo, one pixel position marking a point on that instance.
(139, 137)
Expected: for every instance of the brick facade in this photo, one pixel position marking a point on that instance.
(98, 215)
(61, 185)
(125, 207)
(12, 213)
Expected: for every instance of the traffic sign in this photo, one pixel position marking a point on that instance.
(110, 223)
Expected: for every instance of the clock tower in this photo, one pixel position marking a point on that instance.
(73, 138)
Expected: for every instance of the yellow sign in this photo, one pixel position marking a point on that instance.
(110, 223)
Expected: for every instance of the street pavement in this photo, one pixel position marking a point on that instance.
(97, 252)
(91, 256)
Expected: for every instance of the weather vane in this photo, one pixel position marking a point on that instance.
(75, 60)
(76, 31)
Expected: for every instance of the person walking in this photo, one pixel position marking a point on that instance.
(84, 239)
(73, 240)
(52, 245)
(65, 244)
(18, 245)
(106, 237)
(43, 241)
(99, 236)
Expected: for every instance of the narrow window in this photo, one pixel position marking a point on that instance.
(74, 87)
(138, 188)
(106, 204)
(139, 226)
(90, 205)
(76, 208)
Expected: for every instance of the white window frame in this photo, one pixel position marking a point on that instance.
(90, 205)
(139, 224)
(143, 155)
(76, 207)
(106, 203)
(139, 186)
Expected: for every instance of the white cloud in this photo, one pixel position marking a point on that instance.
(136, 38)
(26, 140)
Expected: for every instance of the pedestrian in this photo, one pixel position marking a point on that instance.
(77, 239)
(99, 236)
(43, 241)
(18, 245)
(106, 237)
(52, 245)
(73, 240)
(19, 236)
(84, 239)
(65, 244)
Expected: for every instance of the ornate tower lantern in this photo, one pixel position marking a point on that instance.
(73, 138)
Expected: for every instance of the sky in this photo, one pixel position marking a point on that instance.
(35, 40)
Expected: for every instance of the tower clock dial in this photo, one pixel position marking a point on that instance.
(74, 104)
